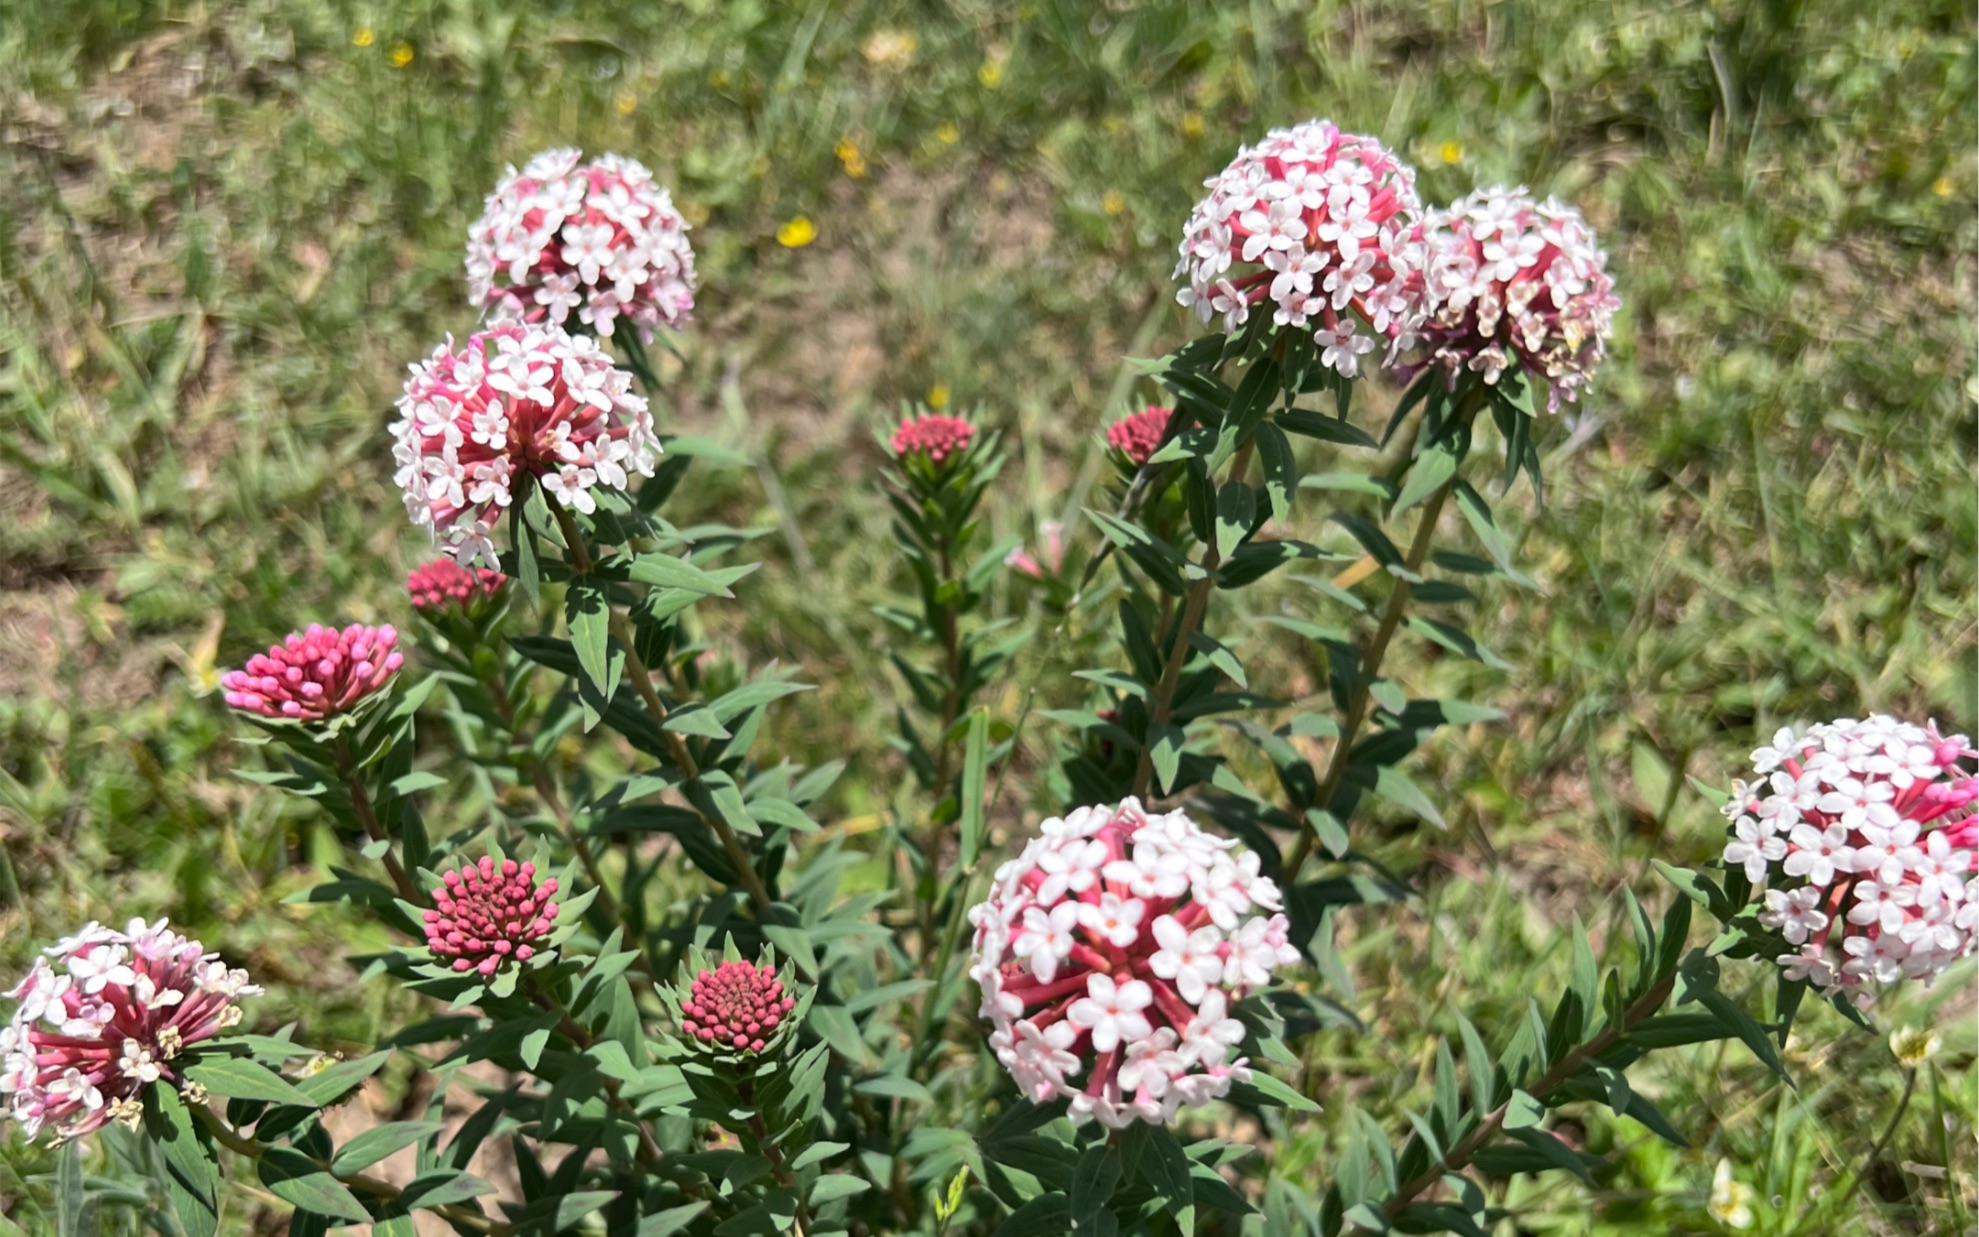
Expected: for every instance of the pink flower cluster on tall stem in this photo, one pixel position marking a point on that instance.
(737, 1005)
(1109, 954)
(485, 914)
(1138, 435)
(104, 1014)
(444, 585)
(932, 435)
(1863, 835)
(1512, 281)
(517, 401)
(1321, 224)
(316, 674)
(600, 239)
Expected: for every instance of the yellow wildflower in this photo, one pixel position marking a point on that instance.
(947, 133)
(364, 36)
(1192, 124)
(625, 102)
(401, 55)
(990, 73)
(797, 232)
(1113, 203)
(1450, 152)
(848, 154)
(938, 396)
(1942, 186)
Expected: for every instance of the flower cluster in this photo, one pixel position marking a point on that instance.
(1511, 280)
(601, 239)
(443, 586)
(517, 400)
(1111, 950)
(1138, 435)
(1323, 224)
(485, 914)
(932, 435)
(316, 674)
(736, 1005)
(104, 1014)
(1864, 836)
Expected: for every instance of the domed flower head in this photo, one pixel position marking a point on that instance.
(933, 437)
(597, 239)
(1137, 436)
(488, 913)
(1321, 224)
(443, 587)
(1109, 955)
(737, 1005)
(316, 674)
(1863, 836)
(1512, 281)
(517, 401)
(105, 1014)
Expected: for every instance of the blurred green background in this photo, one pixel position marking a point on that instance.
(225, 228)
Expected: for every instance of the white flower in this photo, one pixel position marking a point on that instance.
(1190, 959)
(1112, 1012)
(1731, 1201)
(1755, 847)
(1116, 919)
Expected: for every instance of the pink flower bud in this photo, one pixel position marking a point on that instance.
(482, 917)
(937, 437)
(316, 674)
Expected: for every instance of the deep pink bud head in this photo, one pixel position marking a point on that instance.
(316, 674)
(485, 914)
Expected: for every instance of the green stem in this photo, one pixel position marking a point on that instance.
(642, 682)
(1178, 652)
(360, 800)
(1370, 667)
(1459, 1156)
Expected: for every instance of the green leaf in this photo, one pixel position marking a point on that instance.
(666, 571)
(1523, 1111)
(1281, 1093)
(1098, 1172)
(1165, 1166)
(68, 1192)
(1166, 754)
(295, 1178)
(245, 1079)
(374, 1145)
(672, 1220)
(1348, 482)
(1483, 1070)
(697, 720)
(1478, 515)
(1048, 1215)
(833, 1186)
(1391, 784)
(975, 774)
(1280, 466)
(816, 1153)
(1428, 474)
(895, 1086)
(1236, 508)
(436, 1187)
(588, 613)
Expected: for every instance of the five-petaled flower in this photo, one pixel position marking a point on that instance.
(316, 674)
(1113, 948)
(103, 1015)
(517, 401)
(599, 240)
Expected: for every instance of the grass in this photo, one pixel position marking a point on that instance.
(228, 227)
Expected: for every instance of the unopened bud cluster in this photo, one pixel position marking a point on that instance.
(444, 586)
(485, 914)
(737, 1005)
(316, 674)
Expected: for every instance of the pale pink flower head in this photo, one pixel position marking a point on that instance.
(737, 1006)
(1137, 436)
(1863, 838)
(316, 674)
(488, 913)
(1109, 953)
(443, 586)
(1316, 226)
(566, 242)
(1511, 281)
(933, 436)
(105, 1014)
(517, 402)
